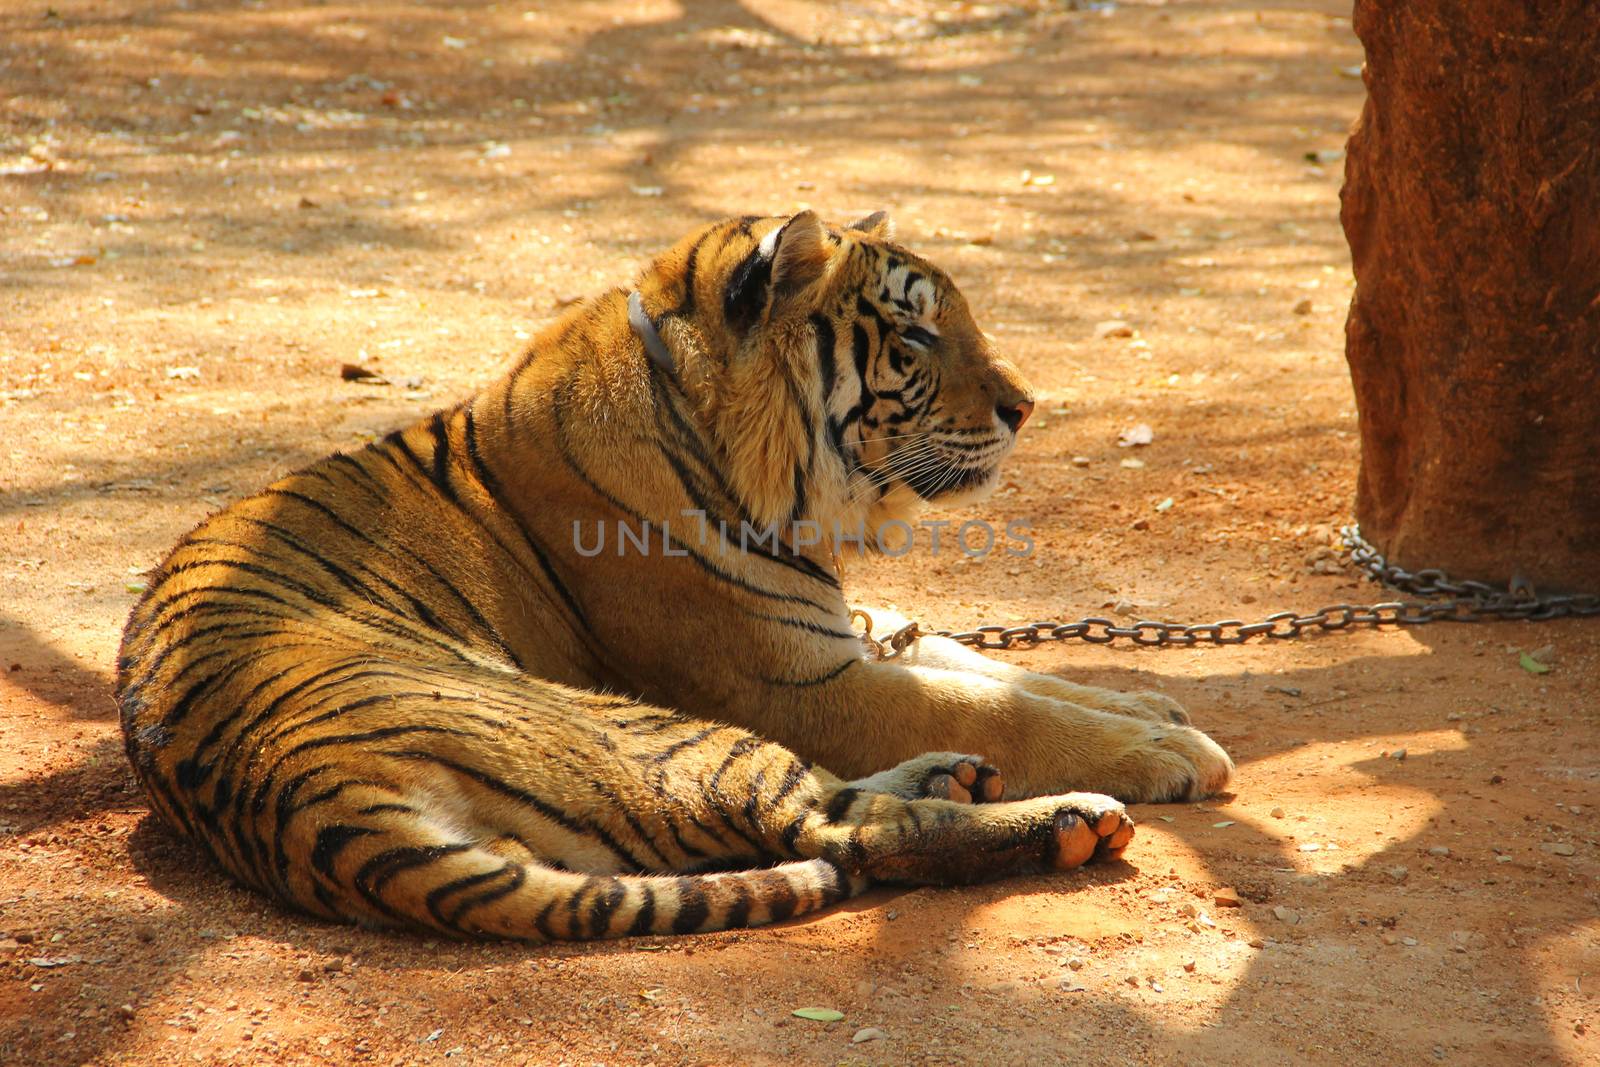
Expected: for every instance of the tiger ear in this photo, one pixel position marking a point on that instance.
(800, 255)
(877, 224)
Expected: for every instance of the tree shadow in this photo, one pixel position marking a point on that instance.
(334, 62)
(34, 665)
(1336, 723)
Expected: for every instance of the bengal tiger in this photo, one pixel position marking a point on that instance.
(398, 688)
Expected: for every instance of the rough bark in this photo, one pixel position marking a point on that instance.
(1472, 207)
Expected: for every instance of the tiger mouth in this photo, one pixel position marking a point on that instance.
(957, 468)
(943, 482)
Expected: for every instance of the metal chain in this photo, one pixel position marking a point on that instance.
(1462, 601)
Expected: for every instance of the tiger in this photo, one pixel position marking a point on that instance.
(400, 688)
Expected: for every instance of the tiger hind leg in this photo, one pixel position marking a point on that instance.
(394, 863)
(892, 826)
(390, 862)
(939, 776)
(489, 834)
(943, 842)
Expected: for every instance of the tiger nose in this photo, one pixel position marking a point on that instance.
(1014, 415)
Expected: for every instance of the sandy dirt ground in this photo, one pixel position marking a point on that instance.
(207, 206)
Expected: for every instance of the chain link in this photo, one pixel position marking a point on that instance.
(1462, 601)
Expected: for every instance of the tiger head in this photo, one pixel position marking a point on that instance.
(842, 376)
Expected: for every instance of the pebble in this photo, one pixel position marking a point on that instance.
(867, 1033)
(54, 961)
(1399, 755)
(1112, 328)
(1135, 436)
(1188, 965)
(1075, 963)
(1227, 898)
(1438, 850)
(1559, 848)
(1303, 308)
(1399, 874)
(1408, 941)
(1080, 461)
(1286, 915)
(1277, 813)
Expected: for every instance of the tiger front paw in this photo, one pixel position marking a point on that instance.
(1167, 763)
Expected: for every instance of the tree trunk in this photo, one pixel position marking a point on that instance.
(1472, 207)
